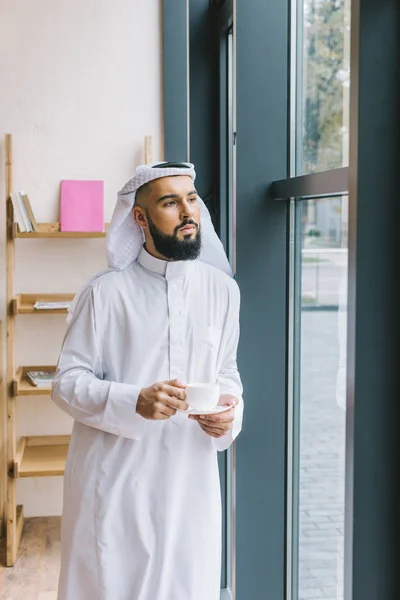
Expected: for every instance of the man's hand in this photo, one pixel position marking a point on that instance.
(218, 425)
(161, 400)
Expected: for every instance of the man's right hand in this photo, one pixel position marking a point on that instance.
(161, 400)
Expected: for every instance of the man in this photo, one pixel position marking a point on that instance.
(142, 507)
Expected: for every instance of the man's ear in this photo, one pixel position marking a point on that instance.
(140, 217)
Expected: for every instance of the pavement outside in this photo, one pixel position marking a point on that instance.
(322, 444)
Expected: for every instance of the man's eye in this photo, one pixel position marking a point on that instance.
(193, 199)
(169, 204)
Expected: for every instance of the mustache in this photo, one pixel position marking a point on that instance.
(185, 223)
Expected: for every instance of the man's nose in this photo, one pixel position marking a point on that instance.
(186, 210)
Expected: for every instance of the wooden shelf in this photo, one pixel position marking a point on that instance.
(23, 304)
(41, 456)
(52, 230)
(21, 386)
(38, 456)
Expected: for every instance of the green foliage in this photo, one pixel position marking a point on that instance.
(314, 233)
(326, 25)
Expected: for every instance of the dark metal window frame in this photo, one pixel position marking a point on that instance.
(316, 185)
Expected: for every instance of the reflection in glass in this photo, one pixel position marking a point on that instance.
(321, 397)
(323, 84)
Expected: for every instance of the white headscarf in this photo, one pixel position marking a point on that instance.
(125, 239)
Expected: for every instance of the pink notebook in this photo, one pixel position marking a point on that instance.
(82, 205)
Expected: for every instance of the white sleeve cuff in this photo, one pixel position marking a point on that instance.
(121, 412)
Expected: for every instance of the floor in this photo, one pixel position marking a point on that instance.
(322, 462)
(35, 575)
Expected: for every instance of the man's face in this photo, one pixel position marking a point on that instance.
(171, 217)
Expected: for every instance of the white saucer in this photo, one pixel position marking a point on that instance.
(213, 411)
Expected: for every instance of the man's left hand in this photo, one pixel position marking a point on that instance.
(219, 424)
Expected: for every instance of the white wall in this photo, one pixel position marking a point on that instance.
(80, 88)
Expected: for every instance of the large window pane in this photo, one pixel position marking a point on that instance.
(324, 252)
(323, 84)
(320, 399)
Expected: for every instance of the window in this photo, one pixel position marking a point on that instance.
(323, 66)
(320, 398)
(318, 309)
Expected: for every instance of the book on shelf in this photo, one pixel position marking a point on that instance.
(23, 213)
(82, 205)
(60, 305)
(41, 379)
(17, 209)
(29, 211)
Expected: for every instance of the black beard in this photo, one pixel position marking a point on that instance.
(171, 247)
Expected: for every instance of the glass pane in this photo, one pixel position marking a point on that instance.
(323, 85)
(320, 399)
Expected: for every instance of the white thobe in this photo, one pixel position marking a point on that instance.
(142, 505)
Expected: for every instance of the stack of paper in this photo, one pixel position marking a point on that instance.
(52, 305)
(23, 213)
(41, 379)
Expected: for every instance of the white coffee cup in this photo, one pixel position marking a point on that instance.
(202, 396)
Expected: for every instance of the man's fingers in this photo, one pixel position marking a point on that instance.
(220, 426)
(213, 431)
(221, 430)
(159, 416)
(165, 409)
(228, 399)
(176, 383)
(172, 401)
(176, 404)
(226, 417)
(175, 392)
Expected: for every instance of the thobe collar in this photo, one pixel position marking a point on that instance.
(163, 267)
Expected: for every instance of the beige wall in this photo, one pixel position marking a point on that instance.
(80, 88)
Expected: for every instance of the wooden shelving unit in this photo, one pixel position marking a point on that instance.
(38, 456)
(23, 304)
(41, 456)
(21, 386)
(52, 230)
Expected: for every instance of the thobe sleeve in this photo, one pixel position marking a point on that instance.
(228, 376)
(79, 388)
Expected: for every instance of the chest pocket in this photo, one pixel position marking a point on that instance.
(206, 356)
(207, 338)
